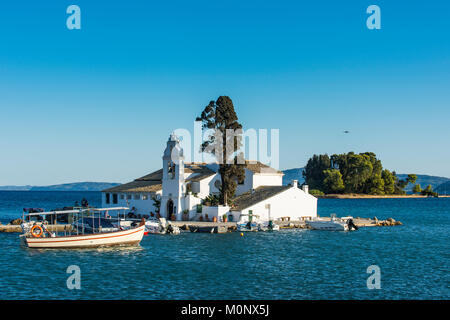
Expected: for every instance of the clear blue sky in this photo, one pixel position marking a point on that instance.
(98, 104)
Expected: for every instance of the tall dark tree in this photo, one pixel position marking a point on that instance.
(224, 144)
(314, 171)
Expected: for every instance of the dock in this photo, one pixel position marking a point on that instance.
(223, 227)
(51, 227)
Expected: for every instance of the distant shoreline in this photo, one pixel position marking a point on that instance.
(75, 186)
(370, 196)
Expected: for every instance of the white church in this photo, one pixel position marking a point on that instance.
(180, 187)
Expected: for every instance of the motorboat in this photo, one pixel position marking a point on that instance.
(161, 226)
(268, 226)
(83, 233)
(248, 227)
(332, 224)
(202, 229)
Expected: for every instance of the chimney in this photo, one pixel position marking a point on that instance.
(305, 188)
(295, 183)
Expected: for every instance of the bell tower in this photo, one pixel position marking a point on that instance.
(173, 185)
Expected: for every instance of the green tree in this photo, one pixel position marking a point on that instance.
(399, 185)
(412, 178)
(359, 171)
(333, 182)
(156, 203)
(375, 183)
(211, 200)
(314, 171)
(417, 189)
(389, 181)
(224, 144)
(428, 191)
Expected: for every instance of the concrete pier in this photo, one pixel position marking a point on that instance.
(50, 227)
(227, 226)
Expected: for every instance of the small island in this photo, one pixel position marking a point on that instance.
(351, 175)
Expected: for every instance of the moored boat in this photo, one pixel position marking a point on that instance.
(248, 227)
(161, 226)
(84, 234)
(332, 224)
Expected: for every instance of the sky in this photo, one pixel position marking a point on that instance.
(98, 104)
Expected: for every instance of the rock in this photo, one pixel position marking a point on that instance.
(16, 222)
(398, 223)
(391, 220)
(375, 219)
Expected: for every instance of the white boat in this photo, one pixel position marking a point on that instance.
(268, 226)
(36, 235)
(247, 227)
(161, 226)
(332, 224)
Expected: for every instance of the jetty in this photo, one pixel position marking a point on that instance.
(287, 224)
(223, 227)
(50, 227)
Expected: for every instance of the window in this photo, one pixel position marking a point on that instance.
(107, 198)
(145, 197)
(122, 196)
(128, 196)
(171, 170)
(114, 198)
(137, 196)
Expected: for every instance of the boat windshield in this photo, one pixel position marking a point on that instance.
(96, 222)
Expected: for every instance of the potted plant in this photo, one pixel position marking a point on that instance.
(225, 218)
(206, 217)
(185, 215)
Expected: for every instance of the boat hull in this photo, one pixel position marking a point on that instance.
(118, 238)
(327, 225)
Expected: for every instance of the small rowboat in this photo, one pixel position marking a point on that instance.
(92, 238)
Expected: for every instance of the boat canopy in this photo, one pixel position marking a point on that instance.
(77, 211)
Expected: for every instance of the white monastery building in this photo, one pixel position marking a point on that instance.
(180, 188)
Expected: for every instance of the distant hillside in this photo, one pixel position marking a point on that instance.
(293, 174)
(15, 188)
(424, 181)
(78, 186)
(443, 188)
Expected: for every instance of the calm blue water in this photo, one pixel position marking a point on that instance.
(290, 264)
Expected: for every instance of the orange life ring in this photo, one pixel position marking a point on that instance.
(39, 234)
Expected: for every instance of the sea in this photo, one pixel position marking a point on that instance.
(401, 262)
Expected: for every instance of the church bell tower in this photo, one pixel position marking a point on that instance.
(173, 185)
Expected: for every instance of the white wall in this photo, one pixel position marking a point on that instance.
(142, 206)
(191, 203)
(261, 179)
(207, 186)
(293, 203)
(217, 212)
(248, 183)
(255, 180)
